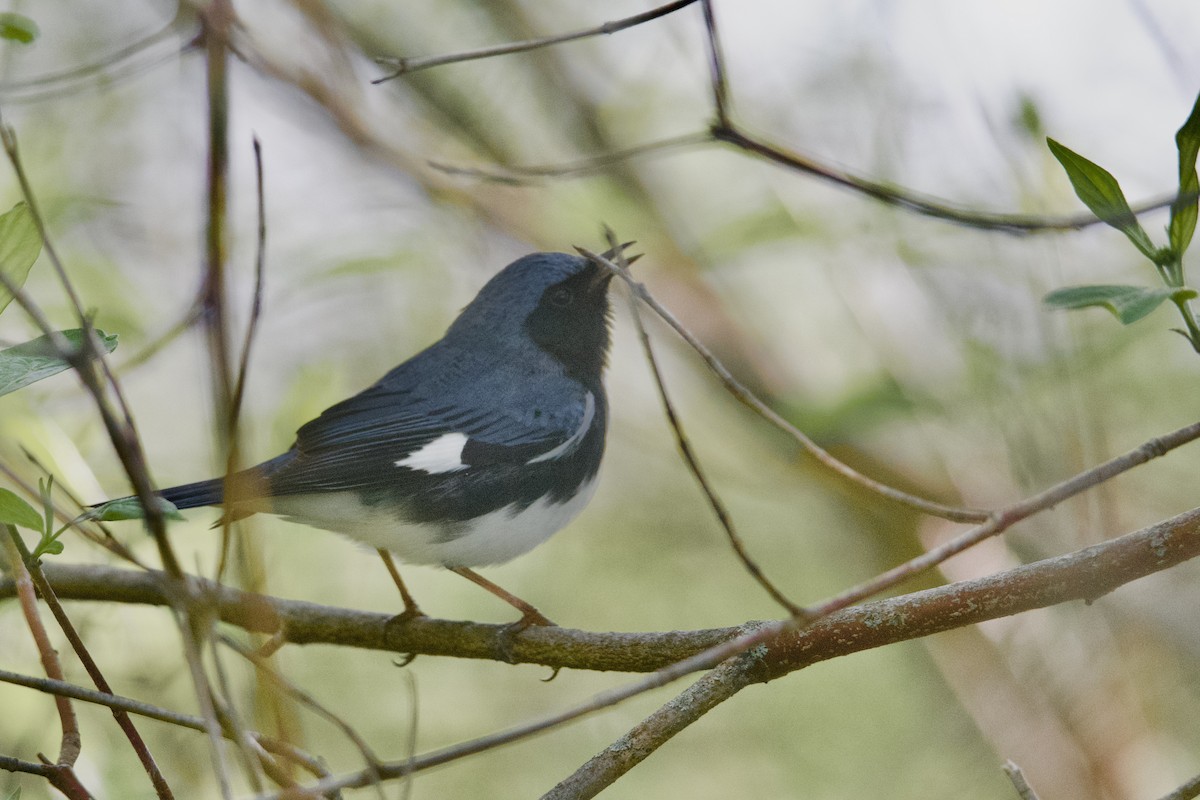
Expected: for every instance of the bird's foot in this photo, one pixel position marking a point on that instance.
(506, 638)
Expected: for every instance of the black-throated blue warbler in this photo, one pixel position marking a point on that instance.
(470, 453)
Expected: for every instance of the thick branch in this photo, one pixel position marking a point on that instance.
(1082, 575)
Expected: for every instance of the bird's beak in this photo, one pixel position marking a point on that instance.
(603, 273)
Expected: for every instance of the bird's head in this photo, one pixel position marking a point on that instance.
(556, 301)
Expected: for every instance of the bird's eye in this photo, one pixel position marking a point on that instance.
(561, 296)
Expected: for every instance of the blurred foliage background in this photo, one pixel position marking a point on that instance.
(916, 349)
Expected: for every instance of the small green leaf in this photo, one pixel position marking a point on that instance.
(130, 508)
(52, 547)
(1101, 193)
(34, 360)
(1183, 210)
(18, 28)
(20, 245)
(15, 511)
(1127, 303)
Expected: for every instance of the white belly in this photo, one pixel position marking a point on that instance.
(494, 538)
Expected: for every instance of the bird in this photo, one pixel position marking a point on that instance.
(470, 453)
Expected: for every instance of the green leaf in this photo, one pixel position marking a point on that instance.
(34, 360)
(130, 508)
(1183, 210)
(1101, 193)
(51, 547)
(1127, 303)
(18, 28)
(20, 245)
(15, 511)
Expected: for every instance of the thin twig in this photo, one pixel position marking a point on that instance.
(218, 19)
(716, 66)
(749, 399)
(685, 448)
(110, 68)
(233, 445)
(1014, 773)
(59, 688)
(404, 66)
(121, 430)
(714, 688)
(1005, 518)
(161, 788)
(731, 134)
(61, 773)
(519, 175)
(103, 539)
(265, 669)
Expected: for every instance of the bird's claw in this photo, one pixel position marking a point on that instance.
(506, 637)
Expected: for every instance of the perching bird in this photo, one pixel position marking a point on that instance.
(472, 452)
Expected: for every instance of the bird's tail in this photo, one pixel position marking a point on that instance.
(194, 495)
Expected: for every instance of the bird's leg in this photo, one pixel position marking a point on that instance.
(529, 614)
(411, 611)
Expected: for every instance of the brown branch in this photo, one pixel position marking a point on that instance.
(1005, 518)
(783, 647)
(1083, 575)
(61, 772)
(729, 133)
(161, 788)
(301, 622)
(116, 702)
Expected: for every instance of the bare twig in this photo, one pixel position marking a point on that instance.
(749, 399)
(103, 538)
(404, 66)
(731, 134)
(716, 66)
(59, 688)
(517, 175)
(1005, 518)
(128, 60)
(685, 448)
(265, 669)
(714, 688)
(1014, 773)
(233, 443)
(70, 743)
(117, 422)
(161, 788)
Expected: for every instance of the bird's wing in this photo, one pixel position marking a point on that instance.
(388, 435)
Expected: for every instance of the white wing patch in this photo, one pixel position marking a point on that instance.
(589, 413)
(443, 454)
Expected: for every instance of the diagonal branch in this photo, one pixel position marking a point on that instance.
(1083, 575)
(404, 66)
